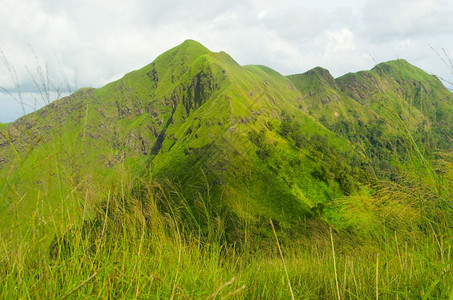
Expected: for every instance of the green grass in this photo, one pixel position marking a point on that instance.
(131, 249)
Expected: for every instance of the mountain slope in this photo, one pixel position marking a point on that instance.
(407, 94)
(385, 112)
(196, 118)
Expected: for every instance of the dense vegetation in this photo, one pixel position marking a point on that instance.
(195, 177)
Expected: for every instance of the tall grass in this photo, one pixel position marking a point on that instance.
(131, 249)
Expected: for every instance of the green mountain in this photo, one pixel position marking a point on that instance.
(257, 144)
(385, 112)
(405, 93)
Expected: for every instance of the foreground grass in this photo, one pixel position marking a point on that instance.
(135, 250)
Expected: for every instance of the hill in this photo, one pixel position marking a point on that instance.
(194, 171)
(261, 144)
(190, 116)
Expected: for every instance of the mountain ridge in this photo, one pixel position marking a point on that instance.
(262, 144)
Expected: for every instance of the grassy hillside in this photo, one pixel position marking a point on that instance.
(407, 95)
(388, 113)
(191, 117)
(195, 177)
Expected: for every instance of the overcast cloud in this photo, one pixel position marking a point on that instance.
(90, 43)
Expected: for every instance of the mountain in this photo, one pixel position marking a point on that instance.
(258, 144)
(406, 93)
(386, 111)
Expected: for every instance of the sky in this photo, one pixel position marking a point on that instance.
(50, 48)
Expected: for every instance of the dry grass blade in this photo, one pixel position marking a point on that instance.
(335, 265)
(79, 286)
(216, 293)
(283, 259)
(377, 277)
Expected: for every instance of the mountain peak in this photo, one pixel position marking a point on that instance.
(402, 69)
(190, 46)
(189, 49)
(393, 65)
(322, 74)
(314, 79)
(191, 42)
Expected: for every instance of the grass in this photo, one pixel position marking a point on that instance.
(132, 250)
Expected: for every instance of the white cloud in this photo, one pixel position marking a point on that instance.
(405, 44)
(261, 14)
(94, 42)
(392, 20)
(339, 41)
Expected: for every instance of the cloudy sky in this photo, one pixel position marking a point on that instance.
(80, 43)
